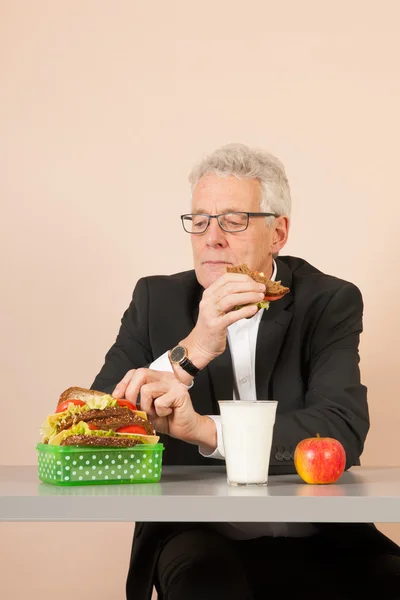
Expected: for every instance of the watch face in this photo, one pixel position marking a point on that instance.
(178, 353)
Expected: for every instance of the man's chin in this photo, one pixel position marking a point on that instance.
(208, 273)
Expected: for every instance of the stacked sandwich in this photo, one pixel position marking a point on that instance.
(274, 290)
(91, 418)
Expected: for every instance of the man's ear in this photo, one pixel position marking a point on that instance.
(280, 234)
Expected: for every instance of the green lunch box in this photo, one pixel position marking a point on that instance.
(79, 465)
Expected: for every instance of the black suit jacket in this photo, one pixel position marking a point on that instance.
(306, 358)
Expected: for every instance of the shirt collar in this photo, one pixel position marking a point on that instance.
(274, 270)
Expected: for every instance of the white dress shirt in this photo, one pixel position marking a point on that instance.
(242, 337)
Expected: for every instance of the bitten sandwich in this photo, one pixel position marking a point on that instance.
(274, 289)
(91, 418)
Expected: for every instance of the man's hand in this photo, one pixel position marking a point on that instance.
(168, 406)
(208, 338)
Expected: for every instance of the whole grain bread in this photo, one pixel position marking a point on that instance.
(92, 440)
(78, 393)
(112, 417)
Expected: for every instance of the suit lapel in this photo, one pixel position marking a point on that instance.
(271, 334)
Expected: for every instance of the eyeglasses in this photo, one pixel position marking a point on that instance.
(232, 222)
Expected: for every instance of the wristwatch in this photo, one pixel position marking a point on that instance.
(179, 356)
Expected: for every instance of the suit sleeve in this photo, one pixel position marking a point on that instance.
(131, 349)
(335, 400)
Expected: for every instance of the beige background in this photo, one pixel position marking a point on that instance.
(105, 105)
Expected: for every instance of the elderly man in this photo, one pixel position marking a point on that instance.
(183, 347)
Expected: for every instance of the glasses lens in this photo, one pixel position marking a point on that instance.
(195, 223)
(234, 221)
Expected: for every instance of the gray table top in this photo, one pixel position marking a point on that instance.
(363, 494)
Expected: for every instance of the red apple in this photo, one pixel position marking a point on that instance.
(319, 459)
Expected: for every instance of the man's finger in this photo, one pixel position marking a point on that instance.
(132, 390)
(235, 315)
(149, 392)
(162, 411)
(225, 279)
(244, 299)
(163, 405)
(120, 388)
(140, 378)
(239, 288)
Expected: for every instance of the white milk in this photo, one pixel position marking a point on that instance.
(247, 428)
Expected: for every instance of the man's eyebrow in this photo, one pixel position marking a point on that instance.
(201, 211)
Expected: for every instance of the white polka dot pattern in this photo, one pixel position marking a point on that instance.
(126, 465)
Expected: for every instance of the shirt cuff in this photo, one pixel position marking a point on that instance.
(219, 452)
(162, 363)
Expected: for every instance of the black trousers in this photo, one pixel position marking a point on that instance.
(201, 564)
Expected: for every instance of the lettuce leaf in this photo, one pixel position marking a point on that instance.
(101, 402)
(261, 304)
(47, 430)
(51, 426)
(83, 428)
(80, 428)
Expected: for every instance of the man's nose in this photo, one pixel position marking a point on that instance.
(214, 234)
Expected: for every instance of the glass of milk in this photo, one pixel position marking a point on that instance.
(247, 428)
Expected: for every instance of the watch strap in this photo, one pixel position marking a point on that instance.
(187, 365)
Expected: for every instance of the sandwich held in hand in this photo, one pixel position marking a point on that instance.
(319, 460)
(274, 289)
(91, 418)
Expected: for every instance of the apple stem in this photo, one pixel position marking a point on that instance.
(318, 435)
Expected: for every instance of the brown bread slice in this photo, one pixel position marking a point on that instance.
(115, 422)
(112, 417)
(273, 288)
(92, 440)
(78, 393)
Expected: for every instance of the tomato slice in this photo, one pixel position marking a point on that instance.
(127, 404)
(64, 405)
(92, 427)
(132, 429)
(271, 298)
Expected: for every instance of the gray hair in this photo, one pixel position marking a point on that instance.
(250, 163)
